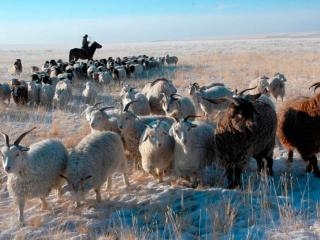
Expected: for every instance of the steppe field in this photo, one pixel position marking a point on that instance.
(285, 206)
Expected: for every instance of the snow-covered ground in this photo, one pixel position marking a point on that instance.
(285, 206)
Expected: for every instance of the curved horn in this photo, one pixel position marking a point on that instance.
(235, 101)
(104, 108)
(190, 116)
(16, 142)
(247, 89)
(315, 85)
(126, 107)
(6, 137)
(96, 104)
(158, 80)
(175, 94)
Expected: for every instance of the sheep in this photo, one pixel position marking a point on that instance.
(156, 147)
(132, 127)
(5, 92)
(298, 128)
(246, 129)
(105, 77)
(33, 171)
(34, 93)
(34, 69)
(261, 84)
(171, 59)
(16, 68)
(46, 95)
(153, 92)
(193, 149)
(93, 161)
(99, 120)
(141, 106)
(89, 93)
(20, 94)
(199, 95)
(62, 94)
(277, 86)
(177, 107)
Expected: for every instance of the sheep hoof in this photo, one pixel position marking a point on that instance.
(233, 185)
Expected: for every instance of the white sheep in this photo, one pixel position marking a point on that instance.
(62, 94)
(154, 90)
(99, 120)
(5, 92)
(92, 162)
(193, 149)
(199, 95)
(156, 148)
(171, 59)
(132, 127)
(46, 95)
(105, 77)
(34, 93)
(33, 171)
(277, 86)
(140, 106)
(177, 107)
(90, 93)
(259, 85)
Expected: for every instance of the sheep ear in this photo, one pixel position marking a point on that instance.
(192, 126)
(23, 149)
(145, 137)
(64, 177)
(82, 180)
(6, 137)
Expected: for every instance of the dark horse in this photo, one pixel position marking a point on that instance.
(79, 53)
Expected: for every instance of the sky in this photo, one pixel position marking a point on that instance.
(65, 22)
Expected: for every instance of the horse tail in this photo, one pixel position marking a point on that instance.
(70, 56)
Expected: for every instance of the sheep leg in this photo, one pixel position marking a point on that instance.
(233, 176)
(21, 208)
(290, 156)
(98, 194)
(259, 163)
(109, 183)
(270, 165)
(125, 180)
(44, 204)
(313, 164)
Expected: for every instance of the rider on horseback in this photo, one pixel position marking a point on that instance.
(85, 44)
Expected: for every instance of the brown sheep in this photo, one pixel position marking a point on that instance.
(299, 128)
(246, 129)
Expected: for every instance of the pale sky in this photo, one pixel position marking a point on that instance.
(65, 22)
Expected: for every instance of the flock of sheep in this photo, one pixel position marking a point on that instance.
(160, 131)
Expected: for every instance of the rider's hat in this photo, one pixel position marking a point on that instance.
(85, 36)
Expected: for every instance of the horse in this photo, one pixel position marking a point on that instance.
(79, 53)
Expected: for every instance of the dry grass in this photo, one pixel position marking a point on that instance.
(234, 63)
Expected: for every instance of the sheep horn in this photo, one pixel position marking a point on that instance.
(190, 116)
(222, 100)
(104, 108)
(247, 89)
(126, 107)
(315, 85)
(6, 137)
(96, 104)
(158, 80)
(16, 142)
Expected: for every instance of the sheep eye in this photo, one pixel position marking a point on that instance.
(17, 154)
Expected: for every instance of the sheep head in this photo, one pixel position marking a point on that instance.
(240, 114)
(13, 154)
